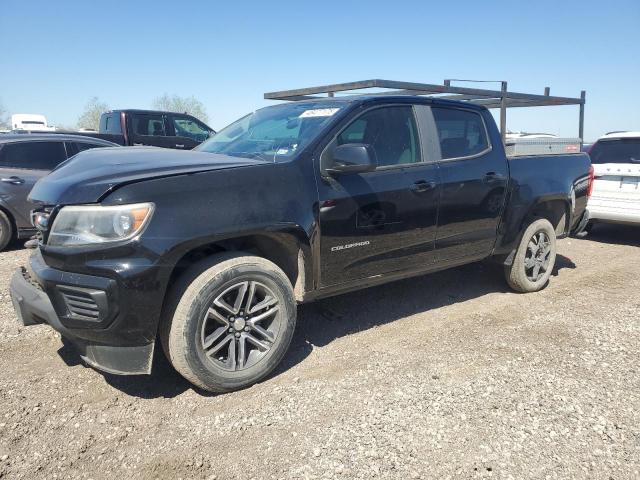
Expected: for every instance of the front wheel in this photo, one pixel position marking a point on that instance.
(6, 230)
(534, 259)
(229, 322)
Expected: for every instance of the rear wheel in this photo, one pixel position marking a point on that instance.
(6, 230)
(534, 259)
(231, 322)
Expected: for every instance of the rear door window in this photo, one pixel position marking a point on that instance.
(617, 150)
(76, 147)
(32, 155)
(461, 133)
(149, 125)
(82, 146)
(112, 124)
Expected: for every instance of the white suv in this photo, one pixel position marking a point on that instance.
(616, 189)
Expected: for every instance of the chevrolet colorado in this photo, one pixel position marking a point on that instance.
(206, 253)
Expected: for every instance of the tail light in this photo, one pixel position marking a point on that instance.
(590, 184)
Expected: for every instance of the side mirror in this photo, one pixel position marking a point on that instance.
(353, 158)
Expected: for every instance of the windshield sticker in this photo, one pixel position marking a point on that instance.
(318, 112)
(287, 151)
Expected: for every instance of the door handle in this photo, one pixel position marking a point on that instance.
(13, 180)
(423, 186)
(137, 144)
(179, 145)
(492, 177)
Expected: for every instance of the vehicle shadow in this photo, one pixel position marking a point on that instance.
(15, 245)
(164, 381)
(615, 234)
(322, 322)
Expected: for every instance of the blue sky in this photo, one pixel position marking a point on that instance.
(58, 54)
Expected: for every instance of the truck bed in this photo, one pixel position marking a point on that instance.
(550, 177)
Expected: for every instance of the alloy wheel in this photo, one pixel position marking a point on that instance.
(538, 256)
(241, 325)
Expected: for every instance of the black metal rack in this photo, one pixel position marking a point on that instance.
(501, 99)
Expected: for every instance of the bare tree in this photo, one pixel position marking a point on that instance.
(4, 121)
(176, 103)
(90, 118)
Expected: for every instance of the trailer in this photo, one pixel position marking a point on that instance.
(30, 122)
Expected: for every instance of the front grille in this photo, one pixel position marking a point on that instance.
(80, 302)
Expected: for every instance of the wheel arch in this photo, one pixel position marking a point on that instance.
(556, 209)
(12, 220)
(288, 248)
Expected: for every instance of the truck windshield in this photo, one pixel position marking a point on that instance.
(619, 150)
(273, 133)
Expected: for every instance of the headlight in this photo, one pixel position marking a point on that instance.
(91, 224)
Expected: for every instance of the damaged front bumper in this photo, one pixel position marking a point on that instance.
(74, 304)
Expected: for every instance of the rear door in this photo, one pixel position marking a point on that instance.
(382, 221)
(22, 164)
(474, 179)
(150, 129)
(187, 132)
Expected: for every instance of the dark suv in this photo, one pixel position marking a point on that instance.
(24, 159)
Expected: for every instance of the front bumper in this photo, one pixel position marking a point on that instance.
(38, 295)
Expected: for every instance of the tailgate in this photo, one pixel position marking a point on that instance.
(619, 181)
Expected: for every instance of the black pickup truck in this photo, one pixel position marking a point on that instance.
(152, 128)
(207, 252)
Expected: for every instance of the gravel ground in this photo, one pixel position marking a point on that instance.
(443, 376)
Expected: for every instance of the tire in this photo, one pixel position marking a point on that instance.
(6, 230)
(522, 275)
(201, 315)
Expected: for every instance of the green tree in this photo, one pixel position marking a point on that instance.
(176, 103)
(90, 117)
(4, 120)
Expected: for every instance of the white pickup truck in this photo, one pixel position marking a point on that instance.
(616, 189)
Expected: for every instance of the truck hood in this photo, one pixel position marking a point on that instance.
(90, 175)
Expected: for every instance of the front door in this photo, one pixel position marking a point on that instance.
(186, 132)
(474, 180)
(385, 220)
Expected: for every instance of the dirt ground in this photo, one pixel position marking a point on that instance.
(443, 376)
